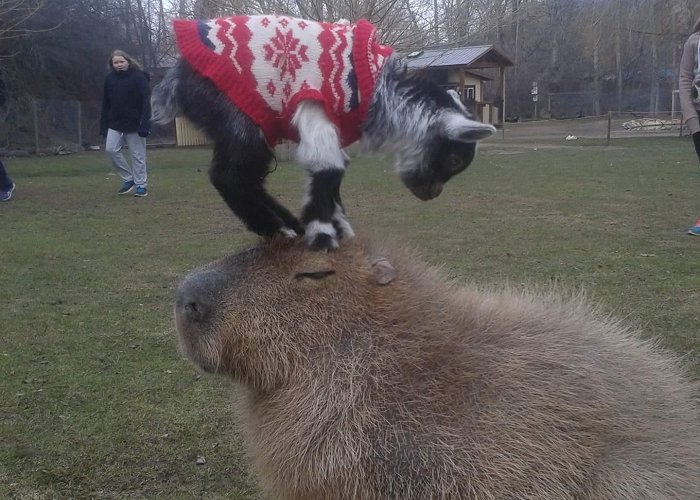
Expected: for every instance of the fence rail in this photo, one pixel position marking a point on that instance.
(32, 126)
(606, 128)
(55, 125)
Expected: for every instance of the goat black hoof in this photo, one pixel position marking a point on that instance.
(323, 242)
(321, 236)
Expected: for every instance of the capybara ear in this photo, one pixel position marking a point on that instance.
(382, 270)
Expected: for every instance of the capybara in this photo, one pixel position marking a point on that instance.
(367, 375)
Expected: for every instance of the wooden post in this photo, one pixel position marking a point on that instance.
(80, 126)
(503, 102)
(673, 104)
(607, 143)
(35, 114)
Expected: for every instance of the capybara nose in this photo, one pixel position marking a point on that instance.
(194, 310)
(197, 295)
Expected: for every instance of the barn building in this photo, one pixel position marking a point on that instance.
(467, 70)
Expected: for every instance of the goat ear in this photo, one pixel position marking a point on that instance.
(455, 96)
(382, 270)
(460, 128)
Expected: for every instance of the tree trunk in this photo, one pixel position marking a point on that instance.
(436, 21)
(596, 79)
(654, 79)
(618, 55)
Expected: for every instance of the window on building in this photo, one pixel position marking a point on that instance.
(470, 92)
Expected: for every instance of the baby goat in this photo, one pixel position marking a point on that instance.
(249, 81)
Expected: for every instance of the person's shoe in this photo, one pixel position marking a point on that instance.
(695, 230)
(6, 195)
(141, 191)
(126, 187)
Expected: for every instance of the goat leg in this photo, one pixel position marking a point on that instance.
(244, 193)
(323, 213)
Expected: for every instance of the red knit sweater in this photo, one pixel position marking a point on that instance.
(267, 64)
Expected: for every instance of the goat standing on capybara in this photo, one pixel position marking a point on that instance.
(250, 81)
(367, 376)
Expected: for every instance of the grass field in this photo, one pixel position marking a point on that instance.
(96, 401)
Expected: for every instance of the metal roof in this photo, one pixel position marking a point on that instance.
(456, 56)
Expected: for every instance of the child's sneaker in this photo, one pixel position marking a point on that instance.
(695, 230)
(6, 195)
(126, 187)
(141, 191)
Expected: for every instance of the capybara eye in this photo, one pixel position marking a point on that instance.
(313, 275)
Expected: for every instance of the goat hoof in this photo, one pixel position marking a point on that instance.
(323, 242)
(343, 229)
(321, 236)
(288, 233)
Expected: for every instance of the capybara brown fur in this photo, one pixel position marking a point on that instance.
(367, 375)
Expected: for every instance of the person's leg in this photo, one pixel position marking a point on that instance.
(137, 149)
(113, 146)
(7, 187)
(5, 181)
(694, 230)
(696, 142)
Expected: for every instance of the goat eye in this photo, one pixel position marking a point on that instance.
(313, 275)
(454, 163)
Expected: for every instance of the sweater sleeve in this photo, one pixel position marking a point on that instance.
(686, 75)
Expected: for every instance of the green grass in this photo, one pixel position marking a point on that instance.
(96, 401)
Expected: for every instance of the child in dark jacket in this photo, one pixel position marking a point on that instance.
(126, 118)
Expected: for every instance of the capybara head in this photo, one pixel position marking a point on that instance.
(257, 314)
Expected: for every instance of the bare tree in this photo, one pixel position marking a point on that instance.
(623, 51)
(14, 15)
